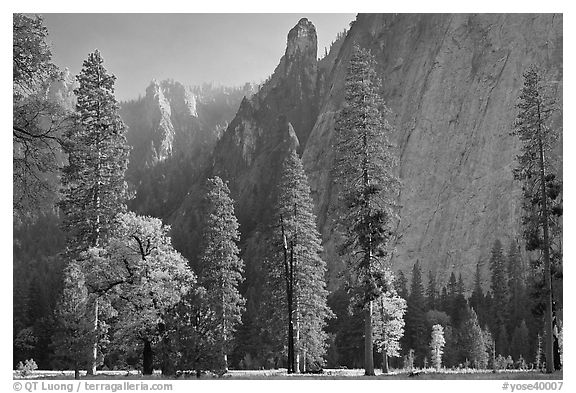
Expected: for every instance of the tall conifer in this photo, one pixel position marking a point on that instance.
(94, 189)
(416, 329)
(296, 269)
(365, 170)
(535, 171)
(500, 306)
(221, 266)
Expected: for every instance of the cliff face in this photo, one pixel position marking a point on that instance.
(173, 130)
(452, 83)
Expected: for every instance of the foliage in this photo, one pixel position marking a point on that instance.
(401, 285)
(388, 319)
(192, 331)
(365, 167)
(365, 170)
(437, 343)
(294, 236)
(221, 267)
(477, 299)
(499, 285)
(541, 189)
(38, 121)
(38, 272)
(416, 331)
(520, 344)
(27, 367)
(73, 329)
(347, 328)
(142, 276)
(431, 292)
(474, 342)
(93, 180)
(535, 168)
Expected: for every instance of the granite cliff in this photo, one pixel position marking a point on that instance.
(173, 130)
(452, 82)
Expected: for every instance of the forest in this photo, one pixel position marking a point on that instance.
(102, 281)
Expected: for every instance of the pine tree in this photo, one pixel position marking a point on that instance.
(517, 288)
(401, 285)
(437, 346)
(416, 330)
(296, 266)
(477, 300)
(94, 189)
(452, 349)
(459, 304)
(520, 345)
(445, 300)
(388, 320)
(431, 292)
(502, 342)
(500, 305)
(365, 170)
(222, 268)
(452, 286)
(474, 342)
(532, 126)
(73, 326)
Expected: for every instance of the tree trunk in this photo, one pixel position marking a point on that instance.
(547, 276)
(225, 361)
(288, 272)
(223, 346)
(290, 336)
(368, 358)
(385, 368)
(168, 367)
(493, 355)
(94, 361)
(296, 343)
(76, 372)
(147, 358)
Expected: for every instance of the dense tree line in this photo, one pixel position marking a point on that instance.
(480, 327)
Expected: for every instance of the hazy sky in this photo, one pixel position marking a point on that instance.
(227, 49)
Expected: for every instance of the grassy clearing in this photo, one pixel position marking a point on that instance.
(327, 375)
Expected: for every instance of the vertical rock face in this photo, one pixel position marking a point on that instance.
(452, 83)
(167, 122)
(162, 132)
(173, 130)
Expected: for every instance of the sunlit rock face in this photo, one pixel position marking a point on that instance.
(452, 82)
(173, 130)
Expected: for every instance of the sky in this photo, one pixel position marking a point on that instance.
(225, 49)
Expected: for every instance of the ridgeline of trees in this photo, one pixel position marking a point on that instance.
(99, 286)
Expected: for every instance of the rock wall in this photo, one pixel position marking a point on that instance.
(452, 82)
(173, 130)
